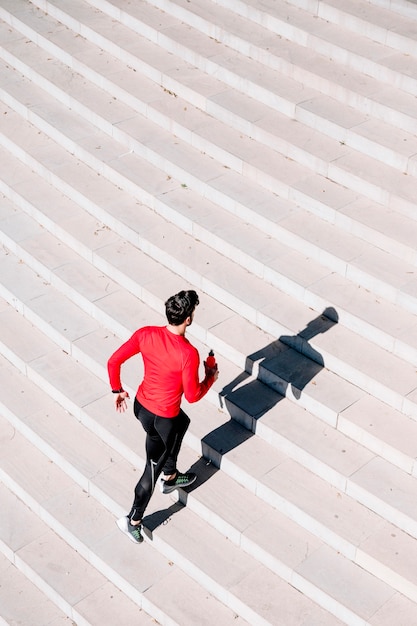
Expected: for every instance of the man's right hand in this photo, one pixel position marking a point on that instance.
(120, 402)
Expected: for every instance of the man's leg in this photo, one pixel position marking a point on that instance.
(172, 478)
(169, 470)
(160, 438)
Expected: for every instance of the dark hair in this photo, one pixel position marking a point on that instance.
(180, 306)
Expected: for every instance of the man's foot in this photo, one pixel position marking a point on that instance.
(181, 480)
(133, 532)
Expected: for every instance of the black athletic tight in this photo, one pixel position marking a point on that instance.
(163, 442)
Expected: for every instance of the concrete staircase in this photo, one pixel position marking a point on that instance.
(264, 154)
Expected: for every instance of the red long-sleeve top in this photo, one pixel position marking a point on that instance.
(171, 365)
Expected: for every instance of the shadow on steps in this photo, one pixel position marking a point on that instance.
(289, 362)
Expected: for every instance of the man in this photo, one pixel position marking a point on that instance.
(171, 367)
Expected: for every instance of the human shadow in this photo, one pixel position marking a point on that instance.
(292, 361)
(282, 368)
(287, 364)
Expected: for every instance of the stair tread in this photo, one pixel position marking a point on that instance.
(248, 532)
(339, 235)
(312, 437)
(340, 343)
(75, 273)
(300, 30)
(336, 143)
(377, 18)
(62, 573)
(84, 528)
(89, 529)
(363, 84)
(36, 610)
(392, 246)
(327, 23)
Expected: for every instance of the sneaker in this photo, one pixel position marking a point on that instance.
(181, 480)
(133, 532)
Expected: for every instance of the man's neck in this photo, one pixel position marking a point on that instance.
(177, 330)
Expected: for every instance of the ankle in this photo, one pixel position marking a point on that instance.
(170, 476)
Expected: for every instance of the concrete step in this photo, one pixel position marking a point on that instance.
(304, 232)
(82, 534)
(343, 354)
(71, 512)
(328, 454)
(402, 7)
(125, 134)
(59, 585)
(225, 332)
(293, 273)
(247, 75)
(367, 133)
(287, 230)
(36, 610)
(252, 30)
(354, 222)
(377, 19)
(218, 500)
(370, 223)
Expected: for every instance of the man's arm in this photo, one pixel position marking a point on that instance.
(194, 390)
(114, 364)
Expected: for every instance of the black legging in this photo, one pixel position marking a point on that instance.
(163, 442)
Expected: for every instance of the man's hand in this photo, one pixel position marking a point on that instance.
(211, 372)
(120, 402)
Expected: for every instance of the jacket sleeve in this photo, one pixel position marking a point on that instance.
(122, 354)
(193, 389)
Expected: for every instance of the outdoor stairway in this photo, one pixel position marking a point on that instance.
(264, 154)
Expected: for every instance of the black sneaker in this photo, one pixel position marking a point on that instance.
(133, 532)
(181, 480)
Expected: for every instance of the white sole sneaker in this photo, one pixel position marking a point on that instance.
(133, 532)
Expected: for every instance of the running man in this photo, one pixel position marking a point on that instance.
(171, 370)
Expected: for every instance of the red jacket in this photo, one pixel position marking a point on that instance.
(171, 369)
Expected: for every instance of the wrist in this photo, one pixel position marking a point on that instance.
(117, 390)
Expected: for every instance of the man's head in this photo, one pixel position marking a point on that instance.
(181, 306)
